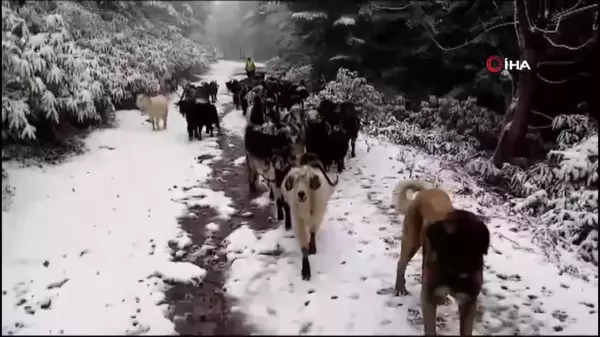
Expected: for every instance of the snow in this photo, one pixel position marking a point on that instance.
(239, 161)
(90, 236)
(357, 251)
(262, 201)
(311, 15)
(90, 239)
(345, 21)
(212, 227)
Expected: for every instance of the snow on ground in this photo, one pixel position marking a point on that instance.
(357, 252)
(85, 243)
(85, 246)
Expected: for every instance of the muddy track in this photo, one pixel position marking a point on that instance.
(204, 309)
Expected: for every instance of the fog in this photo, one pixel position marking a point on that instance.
(241, 29)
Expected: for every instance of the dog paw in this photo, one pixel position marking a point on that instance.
(401, 291)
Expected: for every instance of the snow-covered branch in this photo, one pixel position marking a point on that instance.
(471, 41)
(81, 64)
(387, 8)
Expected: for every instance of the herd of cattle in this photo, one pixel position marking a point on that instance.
(290, 145)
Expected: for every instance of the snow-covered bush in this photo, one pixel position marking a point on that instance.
(64, 59)
(297, 74)
(560, 193)
(277, 66)
(348, 86)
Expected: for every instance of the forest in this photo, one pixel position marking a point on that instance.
(416, 70)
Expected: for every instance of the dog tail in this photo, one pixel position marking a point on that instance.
(399, 198)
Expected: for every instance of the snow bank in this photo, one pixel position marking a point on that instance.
(85, 245)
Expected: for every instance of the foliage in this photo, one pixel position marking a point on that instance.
(348, 86)
(277, 66)
(410, 44)
(65, 59)
(299, 74)
(560, 193)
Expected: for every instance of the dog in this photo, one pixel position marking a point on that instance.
(157, 108)
(454, 243)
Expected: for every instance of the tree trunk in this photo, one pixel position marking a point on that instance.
(513, 135)
(514, 132)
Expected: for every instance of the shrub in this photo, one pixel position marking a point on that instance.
(277, 66)
(559, 193)
(65, 60)
(297, 74)
(349, 87)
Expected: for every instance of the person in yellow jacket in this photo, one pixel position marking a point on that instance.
(250, 67)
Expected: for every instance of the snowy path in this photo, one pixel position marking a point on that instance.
(357, 253)
(85, 243)
(104, 223)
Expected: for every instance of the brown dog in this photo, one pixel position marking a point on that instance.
(454, 243)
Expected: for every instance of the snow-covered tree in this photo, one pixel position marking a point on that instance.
(75, 61)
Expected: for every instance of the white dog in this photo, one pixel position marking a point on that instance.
(157, 108)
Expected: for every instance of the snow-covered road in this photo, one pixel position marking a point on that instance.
(85, 246)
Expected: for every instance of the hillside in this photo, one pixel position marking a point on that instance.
(73, 63)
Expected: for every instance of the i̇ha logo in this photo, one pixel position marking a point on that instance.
(495, 64)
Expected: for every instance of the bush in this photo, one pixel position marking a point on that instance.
(297, 74)
(277, 66)
(70, 61)
(349, 87)
(560, 193)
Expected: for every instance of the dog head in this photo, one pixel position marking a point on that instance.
(327, 107)
(142, 101)
(310, 159)
(281, 162)
(459, 243)
(313, 116)
(301, 180)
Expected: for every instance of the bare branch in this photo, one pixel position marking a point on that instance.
(556, 63)
(468, 42)
(572, 11)
(591, 40)
(541, 114)
(562, 81)
(534, 27)
(552, 81)
(375, 6)
(537, 128)
(520, 38)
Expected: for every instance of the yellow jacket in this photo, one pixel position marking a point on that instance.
(250, 65)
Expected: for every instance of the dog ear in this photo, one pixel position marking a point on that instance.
(314, 183)
(288, 183)
(437, 235)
